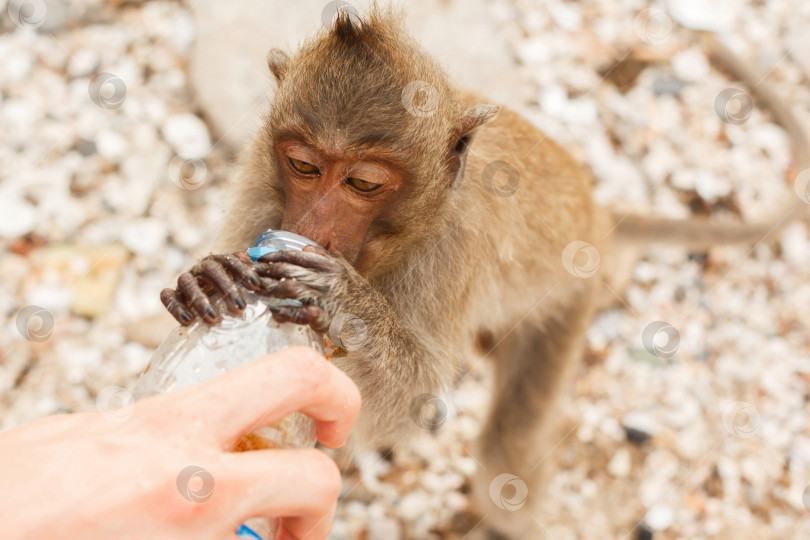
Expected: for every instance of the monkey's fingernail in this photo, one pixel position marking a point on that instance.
(254, 281)
(211, 314)
(185, 317)
(240, 303)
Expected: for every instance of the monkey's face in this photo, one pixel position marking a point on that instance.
(333, 195)
(366, 141)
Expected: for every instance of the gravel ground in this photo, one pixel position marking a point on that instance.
(98, 212)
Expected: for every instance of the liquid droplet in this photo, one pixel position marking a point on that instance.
(197, 367)
(222, 365)
(169, 383)
(211, 340)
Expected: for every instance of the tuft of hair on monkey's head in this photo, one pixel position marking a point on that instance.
(366, 83)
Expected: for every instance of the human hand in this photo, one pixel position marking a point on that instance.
(88, 476)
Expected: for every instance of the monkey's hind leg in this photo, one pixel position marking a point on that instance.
(533, 365)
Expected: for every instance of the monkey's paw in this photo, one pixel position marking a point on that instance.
(214, 274)
(318, 281)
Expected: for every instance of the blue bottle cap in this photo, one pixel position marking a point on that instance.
(257, 251)
(246, 532)
(275, 240)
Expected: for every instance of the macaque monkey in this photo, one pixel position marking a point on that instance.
(444, 218)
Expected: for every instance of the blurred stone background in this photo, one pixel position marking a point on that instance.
(120, 120)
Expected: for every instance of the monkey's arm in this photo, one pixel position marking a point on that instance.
(391, 364)
(382, 356)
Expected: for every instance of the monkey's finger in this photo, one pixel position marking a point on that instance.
(243, 256)
(286, 271)
(216, 274)
(312, 316)
(267, 286)
(175, 305)
(294, 290)
(280, 270)
(316, 260)
(240, 270)
(190, 289)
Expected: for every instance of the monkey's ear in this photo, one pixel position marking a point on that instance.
(469, 122)
(278, 62)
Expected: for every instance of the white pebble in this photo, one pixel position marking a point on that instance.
(588, 489)
(19, 216)
(645, 272)
(534, 51)
(553, 100)
(585, 433)
(145, 237)
(142, 174)
(188, 135)
(15, 66)
(110, 144)
(465, 465)
(659, 517)
(56, 15)
(383, 528)
(795, 246)
(710, 187)
(413, 505)
(620, 463)
(82, 63)
(700, 15)
(691, 65)
(55, 297)
(566, 17)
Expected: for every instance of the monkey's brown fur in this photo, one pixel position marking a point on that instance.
(450, 257)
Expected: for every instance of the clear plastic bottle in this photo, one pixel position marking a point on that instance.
(199, 352)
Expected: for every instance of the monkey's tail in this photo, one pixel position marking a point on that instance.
(703, 233)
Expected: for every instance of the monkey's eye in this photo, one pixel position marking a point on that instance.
(362, 185)
(302, 166)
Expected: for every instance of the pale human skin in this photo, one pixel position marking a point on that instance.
(88, 476)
